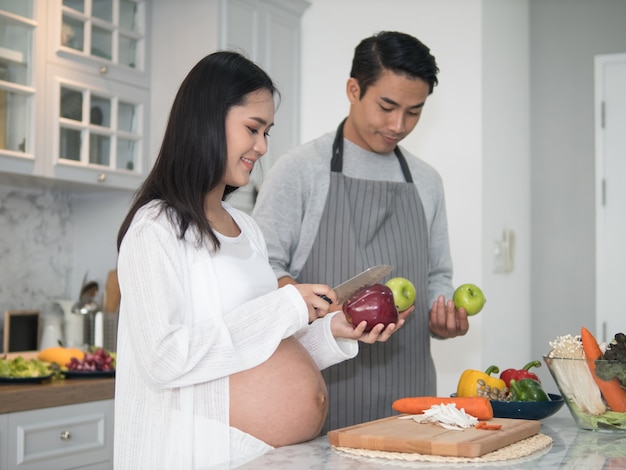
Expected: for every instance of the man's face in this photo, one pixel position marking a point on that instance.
(387, 113)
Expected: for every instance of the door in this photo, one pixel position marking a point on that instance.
(610, 132)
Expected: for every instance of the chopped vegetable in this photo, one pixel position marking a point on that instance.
(447, 416)
(488, 427)
(574, 377)
(612, 391)
(480, 407)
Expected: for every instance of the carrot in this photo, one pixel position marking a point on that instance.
(488, 427)
(612, 391)
(479, 407)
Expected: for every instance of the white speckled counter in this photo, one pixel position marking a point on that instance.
(571, 448)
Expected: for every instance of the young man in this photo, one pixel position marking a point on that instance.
(352, 199)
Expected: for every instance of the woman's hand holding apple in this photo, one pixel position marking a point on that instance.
(342, 328)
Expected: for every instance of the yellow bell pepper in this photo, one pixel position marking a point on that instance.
(469, 385)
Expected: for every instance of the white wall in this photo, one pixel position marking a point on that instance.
(565, 37)
(96, 219)
(506, 180)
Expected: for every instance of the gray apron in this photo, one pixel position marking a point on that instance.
(383, 222)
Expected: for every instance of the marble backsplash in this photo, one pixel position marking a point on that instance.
(35, 248)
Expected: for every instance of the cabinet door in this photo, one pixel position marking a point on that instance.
(18, 34)
(4, 437)
(97, 129)
(100, 36)
(269, 32)
(73, 436)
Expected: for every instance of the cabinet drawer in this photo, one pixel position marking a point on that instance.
(61, 437)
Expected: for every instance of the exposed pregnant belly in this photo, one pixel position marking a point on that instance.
(281, 401)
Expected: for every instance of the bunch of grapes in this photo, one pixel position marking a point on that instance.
(97, 360)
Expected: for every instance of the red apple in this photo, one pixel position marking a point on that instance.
(373, 304)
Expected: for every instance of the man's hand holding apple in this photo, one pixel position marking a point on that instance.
(446, 321)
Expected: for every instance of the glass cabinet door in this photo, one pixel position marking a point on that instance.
(17, 92)
(112, 30)
(98, 129)
(98, 90)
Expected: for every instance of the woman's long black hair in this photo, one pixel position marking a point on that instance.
(193, 156)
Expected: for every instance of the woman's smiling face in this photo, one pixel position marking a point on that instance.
(247, 130)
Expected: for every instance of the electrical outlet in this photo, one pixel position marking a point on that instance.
(504, 250)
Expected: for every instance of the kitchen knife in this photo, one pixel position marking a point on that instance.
(367, 278)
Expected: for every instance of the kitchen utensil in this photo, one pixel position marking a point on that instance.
(405, 435)
(72, 324)
(110, 309)
(111, 301)
(89, 308)
(368, 277)
(51, 334)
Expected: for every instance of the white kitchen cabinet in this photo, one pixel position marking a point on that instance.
(75, 91)
(63, 437)
(97, 92)
(269, 33)
(106, 37)
(98, 129)
(20, 80)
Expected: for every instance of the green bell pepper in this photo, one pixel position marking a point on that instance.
(528, 390)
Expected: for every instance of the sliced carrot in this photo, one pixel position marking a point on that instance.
(488, 427)
(612, 391)
(479, 407)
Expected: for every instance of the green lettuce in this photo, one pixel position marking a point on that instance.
(607, 420)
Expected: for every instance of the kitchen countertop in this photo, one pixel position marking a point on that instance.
(54, 393)
(571, 448)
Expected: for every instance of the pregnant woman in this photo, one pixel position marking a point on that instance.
(215, 364)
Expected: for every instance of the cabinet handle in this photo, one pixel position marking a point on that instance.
(102, 177)
(104, 70)
(66, 436)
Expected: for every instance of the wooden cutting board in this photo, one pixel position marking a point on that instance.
(405, 435)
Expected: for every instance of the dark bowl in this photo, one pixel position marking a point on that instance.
(527, 409)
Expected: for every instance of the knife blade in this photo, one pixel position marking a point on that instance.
(367, 278)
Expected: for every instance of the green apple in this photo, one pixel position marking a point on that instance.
(403, 292)
(469, 297)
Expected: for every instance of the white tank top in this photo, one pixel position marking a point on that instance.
(243, 273)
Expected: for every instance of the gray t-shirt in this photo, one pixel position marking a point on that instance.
(292, 197)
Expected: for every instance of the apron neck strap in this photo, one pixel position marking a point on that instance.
(336, 164)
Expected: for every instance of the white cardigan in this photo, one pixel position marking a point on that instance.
(176, 350)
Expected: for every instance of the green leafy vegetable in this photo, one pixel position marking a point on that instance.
(607, 420)
(21, 368)
(613, 362)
